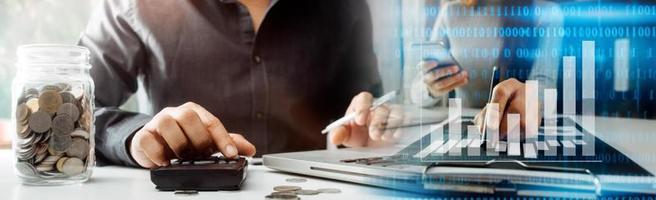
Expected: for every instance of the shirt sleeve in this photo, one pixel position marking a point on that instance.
(117, 57)
(361, 65)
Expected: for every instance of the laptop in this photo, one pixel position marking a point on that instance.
(429, 166)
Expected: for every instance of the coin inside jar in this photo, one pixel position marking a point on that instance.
(50, 100)
(68, 97)
(33, 104)
(73, 166)
(60, 143)
(63, 123)
(40, 122)
(25, 169)
(79, 148)
(69, 109)
(22, 113)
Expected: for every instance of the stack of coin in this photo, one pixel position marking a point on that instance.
(291, 192)
(52, 126)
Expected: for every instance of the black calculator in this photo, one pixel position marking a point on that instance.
(211, 174)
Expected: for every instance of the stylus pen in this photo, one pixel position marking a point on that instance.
(341, 121)
(494, 80)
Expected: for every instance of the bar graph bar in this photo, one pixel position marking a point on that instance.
(455, 109)
(588, 95)
(569, 94)
(532, 112)
(474, 135)
(550, 119)
(514, 137)
(492, 132)
(621, 65)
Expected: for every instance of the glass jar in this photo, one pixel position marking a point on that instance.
(52, 106)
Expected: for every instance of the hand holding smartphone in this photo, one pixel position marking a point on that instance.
(441, 72)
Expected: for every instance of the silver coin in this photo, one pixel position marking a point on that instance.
(68, 97)
(79, 148)
(307, 192)
(45, 167)
(70, 110)
(185, 192)
(24, 131)
(25, 169)
(51, 159)
(60, 143)
(63, 123)
(284, 188)
(80, 133)
(73, 166)
(285, 192)
(44, 137)
(281, 197)
(40, 122)
(296, 180)
(329, 190)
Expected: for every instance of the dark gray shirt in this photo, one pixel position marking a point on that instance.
(278, 87)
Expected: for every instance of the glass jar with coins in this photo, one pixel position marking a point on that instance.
(52, 104)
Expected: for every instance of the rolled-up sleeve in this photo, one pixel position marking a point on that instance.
(117, 57)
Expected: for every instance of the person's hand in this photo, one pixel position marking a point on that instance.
(187, 131)
(511, 97)
(435, 81)
(369, 128)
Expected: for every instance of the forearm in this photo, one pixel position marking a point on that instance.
(114, 129)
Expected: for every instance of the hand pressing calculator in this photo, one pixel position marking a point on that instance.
(211, 174)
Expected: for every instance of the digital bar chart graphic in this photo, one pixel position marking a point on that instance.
(532, 140)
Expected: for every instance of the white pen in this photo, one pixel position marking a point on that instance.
(341, 121)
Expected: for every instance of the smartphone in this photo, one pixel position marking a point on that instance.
(438, 52)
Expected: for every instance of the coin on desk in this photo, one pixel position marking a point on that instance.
(40, 122)
(281, 197)
(50, 100)
(73, 166)
(296, 180)
(285, 192)
(79, 148)
(286, 188)
(63, 124)
(70, 110)
(306, 192)
(329, 190)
